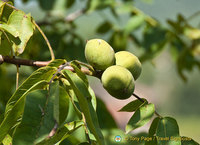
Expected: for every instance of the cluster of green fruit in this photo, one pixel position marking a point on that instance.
(119, 69)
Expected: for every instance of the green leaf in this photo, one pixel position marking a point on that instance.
(19, 25)
(76, 137)
(34, 123)
(102, 113)
(154, 126)
(57, 62)
(62, 133)
(78, 71)
(134, 22)
(167, 130)
(76, 67)
(152, 132)
(14, 113)
(15, 106)
(73, 99)
(154, 40)
(42, 74)
(187, 141)
(104, 27)
(81, 91)
(10, 29)
(5, 44)
(141, 116)
(93, 100)
(133, 105)
(61, 102)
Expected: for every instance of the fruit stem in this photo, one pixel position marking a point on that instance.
(85, 64)
(140, 99)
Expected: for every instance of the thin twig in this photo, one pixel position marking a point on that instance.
(86, 130)
(45, 38)
(140, 99)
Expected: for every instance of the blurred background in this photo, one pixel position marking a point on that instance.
(164, 34)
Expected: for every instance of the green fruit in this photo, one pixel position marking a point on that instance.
(99, 54)
(129, 61)
(118, 81)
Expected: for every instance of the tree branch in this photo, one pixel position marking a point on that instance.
(18, 61)
(26, 62)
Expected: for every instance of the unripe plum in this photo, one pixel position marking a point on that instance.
(129, 61)
(99, 54)
(118, 81)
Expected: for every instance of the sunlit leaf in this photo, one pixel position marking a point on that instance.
(7, 140)
(62, 133)
(57, 62)
(82, 94)
(192, 33)
(19, 25)
(5, 11)
(141, 116)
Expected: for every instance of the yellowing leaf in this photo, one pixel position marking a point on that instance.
(19, 25)
(192, 33)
